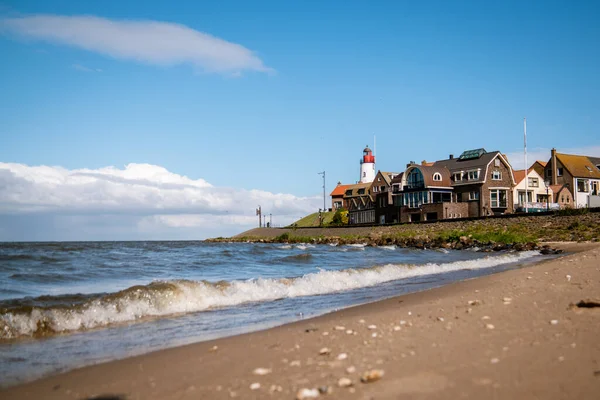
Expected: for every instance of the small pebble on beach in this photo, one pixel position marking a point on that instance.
(371, 376)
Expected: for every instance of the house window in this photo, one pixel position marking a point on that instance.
(583, 186)
(457, 176)
(375, 189)
(395, 188)
(498, 198)
(364, 174)
(378, 179)
(415, 179)
(559, 172)
(548, 173)
(473, 175)
(437, 176)
(496, 175)
(349, 192)
(361, 191)
(474, 195)
(533, 182)
(562, 199)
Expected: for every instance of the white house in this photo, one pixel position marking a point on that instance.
(538, 193)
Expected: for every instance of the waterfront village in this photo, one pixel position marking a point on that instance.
(475, 183)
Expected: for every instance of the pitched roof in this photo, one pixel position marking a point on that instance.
(542, 163)
(579, 166)
(595, 160)
(519, 175)
(556, 189)
(355, 188)
(387, 176)
(456, 164)
(397, 178)
(339, 190)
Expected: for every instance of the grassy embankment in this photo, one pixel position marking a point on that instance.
(312, 220)
(580, 226)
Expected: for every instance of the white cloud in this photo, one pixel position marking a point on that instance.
(149, 198)
(517, 158)
(152, 42)
(83, 68)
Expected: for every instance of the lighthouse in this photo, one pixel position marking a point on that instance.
(367, 166)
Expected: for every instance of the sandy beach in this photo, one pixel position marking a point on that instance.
(516, 334)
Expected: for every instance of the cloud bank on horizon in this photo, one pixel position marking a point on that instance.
(151, 42)
(140, 201)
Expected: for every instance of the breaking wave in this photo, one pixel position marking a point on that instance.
(61, 314)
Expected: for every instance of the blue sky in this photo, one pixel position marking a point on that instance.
(313, 81)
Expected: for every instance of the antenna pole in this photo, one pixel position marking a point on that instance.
(526, 169)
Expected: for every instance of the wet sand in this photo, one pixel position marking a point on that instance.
(513, 335)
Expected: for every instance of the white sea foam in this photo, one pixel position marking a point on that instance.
(357, 245)
(174, 297)
(392, 247)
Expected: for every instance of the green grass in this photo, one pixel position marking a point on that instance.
(313, 220)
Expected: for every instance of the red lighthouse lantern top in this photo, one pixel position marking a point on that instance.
(368, 156)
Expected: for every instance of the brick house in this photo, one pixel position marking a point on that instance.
(425, 193)
(360, 203)
(579, 174)
(484, 180)
(382, 194)
(337, 196)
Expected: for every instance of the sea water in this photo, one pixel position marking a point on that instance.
(65, 305)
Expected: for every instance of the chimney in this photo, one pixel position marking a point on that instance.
(424, 162)
(451, 156)
(554, 167)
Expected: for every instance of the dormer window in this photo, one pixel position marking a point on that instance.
(437, 177)
(473, 175)
(457, 176)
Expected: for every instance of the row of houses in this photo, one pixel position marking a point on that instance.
(476, 183)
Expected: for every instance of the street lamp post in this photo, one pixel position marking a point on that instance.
(547, 182)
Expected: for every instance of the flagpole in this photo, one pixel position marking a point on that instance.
(526, 169)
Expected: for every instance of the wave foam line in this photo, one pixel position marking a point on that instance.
(184, 296)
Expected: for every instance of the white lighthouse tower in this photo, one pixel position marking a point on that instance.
(367, 166)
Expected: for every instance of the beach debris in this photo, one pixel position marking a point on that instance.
(402, 322)
(308, 330)
(397, 328)
(325, 351)
(255, 386)
(485, 317)
(275, 388)
(349, 332)
(474, 302)
(587, 303)
(374, 334)
(529, 277)
(325, 390)
(307, 394)
(351, 369)
(495, 360)
(342, 356)
(295, 363)
(214, 348)
(489, 326)
(507, 300)
(469, 310)
(361, 321)
(372, 376)
(410, 313)
(372, 327)
(340, 328)
(325, 333)
(568, 278)
(345, 382)
(554, 322)
(262, 371)
(441, 319)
